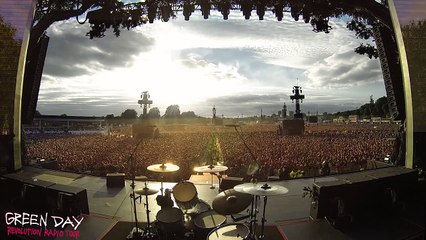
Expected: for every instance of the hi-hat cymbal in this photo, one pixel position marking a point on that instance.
(163, 168)
(231, 202)
(261, 189)
(146, 191)
(211, 168)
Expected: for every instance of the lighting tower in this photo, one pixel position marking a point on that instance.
(297, 90)
(214, 111)
(145, 102)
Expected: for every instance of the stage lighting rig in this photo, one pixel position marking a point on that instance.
(297, 90)
(145, 102)
(246, 8)
(188, 9)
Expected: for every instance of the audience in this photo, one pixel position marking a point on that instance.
(344, 148)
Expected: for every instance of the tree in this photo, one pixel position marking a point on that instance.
(116, 14)
(172, 111)
(382, 107)
(9, 58)
(129, 114)
(154, 113)
(189, 114)
(213, 154)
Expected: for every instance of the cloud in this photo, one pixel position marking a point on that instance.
(238, 65)
(72, 53)
(344, 69)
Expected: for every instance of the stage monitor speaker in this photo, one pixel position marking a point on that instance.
(34, 194)
(12, 187)
(49, 164)
(10, 191)
(115, 180)
(67, 200)
(363, 194)
(6, 154)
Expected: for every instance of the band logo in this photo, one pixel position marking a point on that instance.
(42, 225)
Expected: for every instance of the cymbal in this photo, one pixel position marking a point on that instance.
(146, 191)
(163, 168)
(261, 189)
(231, 202)
(211, 168)
(140, 178)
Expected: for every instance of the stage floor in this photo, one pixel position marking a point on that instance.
(290, 211)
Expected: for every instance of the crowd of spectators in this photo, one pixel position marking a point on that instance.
(344, 148)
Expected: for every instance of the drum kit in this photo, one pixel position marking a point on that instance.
(194, 219)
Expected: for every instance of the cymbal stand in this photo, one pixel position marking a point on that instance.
(265, 200)
(253, 218)
(149, 231)
(162, 179)
(136, 233)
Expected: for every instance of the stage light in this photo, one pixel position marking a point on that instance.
(296, 8)
(260, 9)
(246, 8)
(278, 10)
(152, 10)
(224, 7)
(166, 11)
(188, 8)
(205, 8)
(306, 13)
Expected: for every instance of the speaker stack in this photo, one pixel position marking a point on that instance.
(67, 200)
(367, 193)
(20, 192)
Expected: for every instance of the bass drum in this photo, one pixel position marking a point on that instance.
(185, 194)
(170, 220)
(232, 231)
(205, 222)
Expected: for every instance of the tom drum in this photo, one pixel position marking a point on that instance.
(232, 231)
(205, 222)
(170, 220)
(185, 195)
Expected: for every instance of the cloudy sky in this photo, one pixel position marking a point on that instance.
(240, 66)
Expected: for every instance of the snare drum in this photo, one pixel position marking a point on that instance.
(185, 195)
(170, 220)
(232, 231)
(207, 221)
(200, 207)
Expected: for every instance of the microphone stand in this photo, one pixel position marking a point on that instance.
(245, 144)
(253, 210)
(136, 233)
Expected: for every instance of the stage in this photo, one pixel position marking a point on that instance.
(289, 212)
